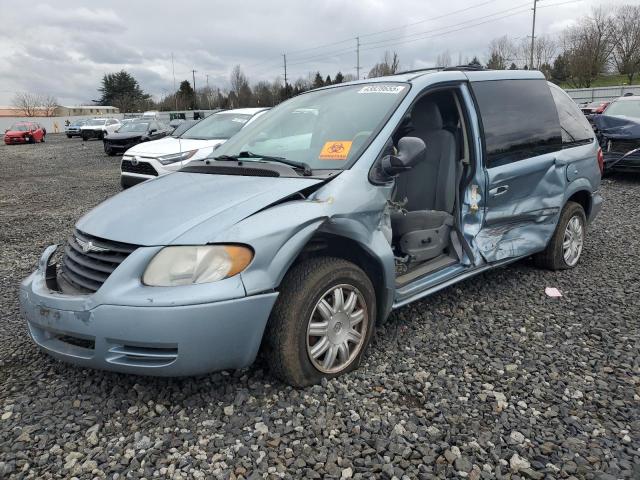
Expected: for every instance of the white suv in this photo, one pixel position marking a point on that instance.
(99, 128)
(159, 157)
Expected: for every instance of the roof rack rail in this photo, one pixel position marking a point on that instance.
(444, 69)
(469, 67)
(418, 70)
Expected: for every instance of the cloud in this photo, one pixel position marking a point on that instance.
(67, 47)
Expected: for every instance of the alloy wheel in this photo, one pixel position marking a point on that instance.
(337, 328)
(572, 241)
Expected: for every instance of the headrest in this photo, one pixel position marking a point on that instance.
(426, 116)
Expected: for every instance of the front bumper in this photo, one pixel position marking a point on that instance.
(15, 140)
(175, 340)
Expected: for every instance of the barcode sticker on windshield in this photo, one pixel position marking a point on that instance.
(393, 89)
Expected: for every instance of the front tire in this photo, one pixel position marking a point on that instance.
(322, 321)
(565, 248)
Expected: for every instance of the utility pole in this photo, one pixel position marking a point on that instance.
(195, 95)
(175, 92)
(358, 58)
(286, 90)
(533, 34)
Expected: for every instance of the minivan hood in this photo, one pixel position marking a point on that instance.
(168, 145)
(160, 211)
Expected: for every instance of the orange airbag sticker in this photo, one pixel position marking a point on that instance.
(335, 150)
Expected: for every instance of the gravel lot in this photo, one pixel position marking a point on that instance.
(487, 379)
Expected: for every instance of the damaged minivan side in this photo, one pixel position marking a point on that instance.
(313, 223)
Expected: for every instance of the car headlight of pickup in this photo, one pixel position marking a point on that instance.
(177, 157)
(188, 265)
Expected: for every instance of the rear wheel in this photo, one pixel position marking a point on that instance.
(565, 248)
(322, 322)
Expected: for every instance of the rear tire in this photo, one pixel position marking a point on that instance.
(314, 332)
(566, 244)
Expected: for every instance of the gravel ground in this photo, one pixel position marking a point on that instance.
(487, 379)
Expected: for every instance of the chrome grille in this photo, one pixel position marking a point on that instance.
(88, 261)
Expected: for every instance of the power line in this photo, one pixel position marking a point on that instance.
(404, 37)
(428, 19)
(446, 32)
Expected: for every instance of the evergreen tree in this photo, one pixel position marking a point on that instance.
(339, 78)
(186, 95)
(317, 81)
(122, 91)
(327, 81)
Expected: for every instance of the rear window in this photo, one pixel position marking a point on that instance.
(574, 126)
(519, 119)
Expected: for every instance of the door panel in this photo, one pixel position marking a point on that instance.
(523, 201)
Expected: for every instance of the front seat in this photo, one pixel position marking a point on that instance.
(422, 232)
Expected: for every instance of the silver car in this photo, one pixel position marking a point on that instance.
(314, 222)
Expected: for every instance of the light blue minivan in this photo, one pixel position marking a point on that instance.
(316, 221)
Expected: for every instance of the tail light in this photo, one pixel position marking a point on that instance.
(600, 160)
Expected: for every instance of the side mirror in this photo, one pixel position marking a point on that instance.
(411, 151)
(153, 130)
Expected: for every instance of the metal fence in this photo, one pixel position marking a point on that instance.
(601, 94)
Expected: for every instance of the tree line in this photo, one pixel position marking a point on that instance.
(605, 42)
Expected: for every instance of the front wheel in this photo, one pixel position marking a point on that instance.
(565, 248)
(322, 321)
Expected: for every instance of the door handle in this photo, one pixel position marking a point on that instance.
(495, 192)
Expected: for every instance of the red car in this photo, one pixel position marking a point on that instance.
(24, 132)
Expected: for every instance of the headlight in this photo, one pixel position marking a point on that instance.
(173, 266)
(176, 157)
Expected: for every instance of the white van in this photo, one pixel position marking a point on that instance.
(159, 157)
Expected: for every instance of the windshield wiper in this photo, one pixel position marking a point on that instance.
(306, 169)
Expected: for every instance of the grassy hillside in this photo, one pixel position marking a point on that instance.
(607, 81)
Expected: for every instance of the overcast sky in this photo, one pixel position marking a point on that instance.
(64, 48)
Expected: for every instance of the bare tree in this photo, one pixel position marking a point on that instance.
(544, 51)
(388, 66)
(443, 59)
(240, 87)
(28, 103)
(626, 51)
(502, 52)
(587, 47)
(49, 104)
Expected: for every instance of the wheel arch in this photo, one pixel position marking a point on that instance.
(339, 246)
(583, 198)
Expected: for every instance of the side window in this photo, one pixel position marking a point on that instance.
(519, 119)
(575, 127)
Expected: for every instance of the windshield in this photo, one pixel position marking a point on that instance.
(217, 126)
(624, 108)
(95, 122)
(326, 129)
(134, 127)
(20, 127)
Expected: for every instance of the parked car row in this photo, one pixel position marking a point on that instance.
(191, 142)
(296, 230)
(24, 132)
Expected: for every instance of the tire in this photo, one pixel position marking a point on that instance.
(32, 139)
(84, 137)
(288, 344)
(108, 150)
(42, 141)
(69, 136)
(124, 184)
(553, 257)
